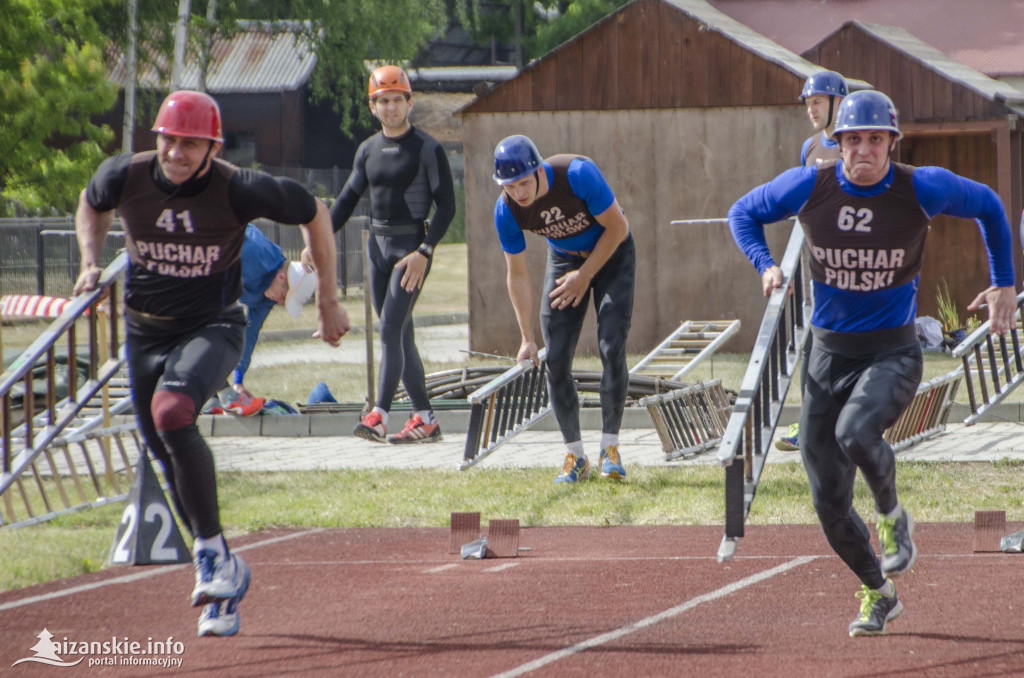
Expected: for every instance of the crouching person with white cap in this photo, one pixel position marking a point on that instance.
(269, 279)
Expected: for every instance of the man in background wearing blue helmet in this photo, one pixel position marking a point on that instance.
(567, 200)
(822, 94)
(866, 219)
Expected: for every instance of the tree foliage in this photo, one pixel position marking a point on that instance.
(545, 23)
(52, 79)
(576, 17)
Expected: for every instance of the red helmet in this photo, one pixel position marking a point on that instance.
(389, 79)
(189, 114)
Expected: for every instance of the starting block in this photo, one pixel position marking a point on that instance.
(465, 527)
(502, 540)
(988, 530)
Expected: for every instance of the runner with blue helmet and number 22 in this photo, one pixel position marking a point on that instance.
(865, 219)
(590, 251)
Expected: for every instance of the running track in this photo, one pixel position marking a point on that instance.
(613, 601)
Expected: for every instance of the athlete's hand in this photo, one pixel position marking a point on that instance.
(306, 257)
(87, 281)
(415, 265)
(771, 280)
(332, 322)
(528, 351)
(570, 289)
(1002, 307)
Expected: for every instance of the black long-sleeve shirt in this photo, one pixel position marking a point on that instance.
(405, 175)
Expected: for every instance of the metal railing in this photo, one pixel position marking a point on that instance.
(992, 369)
(27, 444)
(755, 415)
(507, 405)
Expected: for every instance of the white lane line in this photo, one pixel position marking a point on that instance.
(442, 568)
(129, 578)
(499, 568)
(652, 620)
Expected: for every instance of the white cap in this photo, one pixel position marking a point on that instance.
(301, 286)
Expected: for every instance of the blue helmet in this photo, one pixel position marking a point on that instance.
(867, 110)
(824, 82)
(514, 158)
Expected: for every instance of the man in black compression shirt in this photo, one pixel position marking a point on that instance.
(406, 171)
(184, 212)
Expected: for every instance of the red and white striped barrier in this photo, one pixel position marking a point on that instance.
(31, 306)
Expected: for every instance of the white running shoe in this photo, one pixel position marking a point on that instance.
(218, 578)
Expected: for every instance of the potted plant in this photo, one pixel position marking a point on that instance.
(949, 316)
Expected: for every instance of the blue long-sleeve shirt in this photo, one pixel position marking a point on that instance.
(588, 184)
(938, 191)
(261, 260)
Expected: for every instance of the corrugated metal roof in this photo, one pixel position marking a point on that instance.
(255, 60)
(942, 63)
(987, 35)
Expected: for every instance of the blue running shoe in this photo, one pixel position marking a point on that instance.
(791, 442)
(221, 617)
(574, 469)
(218, 578)
(611, 465)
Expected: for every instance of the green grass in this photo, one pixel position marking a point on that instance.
(690, 495)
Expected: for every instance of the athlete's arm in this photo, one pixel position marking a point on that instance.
(319, 238)
(941, 191)
(573, 285)
(442, 190)
(520, 292)
(351, 192)
(781, 197)
(94, 216)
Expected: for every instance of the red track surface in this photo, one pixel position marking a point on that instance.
(615, 601)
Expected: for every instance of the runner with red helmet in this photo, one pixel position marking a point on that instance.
(185, 213)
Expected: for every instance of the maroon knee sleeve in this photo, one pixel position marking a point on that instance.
(172, 410)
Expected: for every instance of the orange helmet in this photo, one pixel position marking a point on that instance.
(388, 79)
(189, 114)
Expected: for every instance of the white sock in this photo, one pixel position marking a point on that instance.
(895, 513)
(609, 439)
(383, 416)
(886, 589)
(426, 416)
(211, 544)
(575, 448)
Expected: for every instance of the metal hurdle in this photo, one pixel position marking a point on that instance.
(60, 460)
(747, 440)
(927, 413)
(505, 406)
(991, 369)
(689, 420)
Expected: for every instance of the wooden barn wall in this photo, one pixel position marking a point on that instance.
(954, 251)
(920, 94)
(649, 55)
(663, 165)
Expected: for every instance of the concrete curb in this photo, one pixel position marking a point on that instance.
(457, 421)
